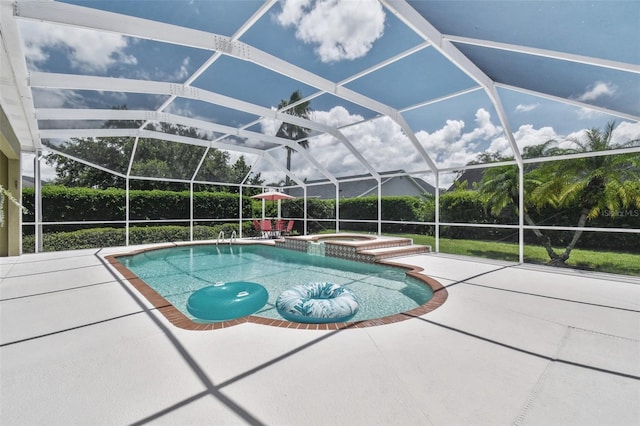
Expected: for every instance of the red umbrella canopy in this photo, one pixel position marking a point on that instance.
(273, 196)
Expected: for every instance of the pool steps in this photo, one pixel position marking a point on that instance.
(366, 250)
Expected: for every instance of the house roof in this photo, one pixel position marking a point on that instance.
(470, 176)
(363, 185)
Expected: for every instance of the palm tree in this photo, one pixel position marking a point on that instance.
(596, 184)
(499, 189)
(293, 106)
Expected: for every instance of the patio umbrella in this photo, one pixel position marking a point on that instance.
(272, 196)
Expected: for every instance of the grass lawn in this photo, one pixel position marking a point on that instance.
(602, 261)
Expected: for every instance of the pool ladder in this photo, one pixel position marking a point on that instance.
(221, 237)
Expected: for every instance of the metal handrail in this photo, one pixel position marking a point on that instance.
(220, 235)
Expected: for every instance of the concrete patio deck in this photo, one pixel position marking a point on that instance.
(513, 344)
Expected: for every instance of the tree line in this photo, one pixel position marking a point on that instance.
(164, 159)
(152, 158)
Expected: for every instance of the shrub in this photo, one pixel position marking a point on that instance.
(462, 206)
(62, 204)
(466, 206)
(112, 237)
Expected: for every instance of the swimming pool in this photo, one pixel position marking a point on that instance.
(384, 291)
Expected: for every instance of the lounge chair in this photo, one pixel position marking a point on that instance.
(289, 228)
(256, 225)
(265, 227)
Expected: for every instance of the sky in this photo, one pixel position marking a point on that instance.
(340, 40)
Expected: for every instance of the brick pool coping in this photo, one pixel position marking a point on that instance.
(178, 319)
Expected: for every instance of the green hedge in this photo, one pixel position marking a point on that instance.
(321, 214)
(589, 240)
(393, 208)
(61, 204)
(316, 209)
(463, 206)
(113, 237)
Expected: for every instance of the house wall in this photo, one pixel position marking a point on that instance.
(11, 231)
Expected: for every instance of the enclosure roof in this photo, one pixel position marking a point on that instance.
(422, 86)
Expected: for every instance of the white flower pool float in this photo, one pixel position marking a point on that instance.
(317, 303)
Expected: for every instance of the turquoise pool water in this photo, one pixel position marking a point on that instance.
(177, 272)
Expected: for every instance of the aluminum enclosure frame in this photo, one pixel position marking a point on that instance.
(18, 82)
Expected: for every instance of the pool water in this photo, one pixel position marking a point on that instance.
(175, 273)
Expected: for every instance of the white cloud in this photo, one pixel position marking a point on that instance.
(337, 117)
(382, 137)
(56, 98)
(183, 72)
(292, 11)
(597, 90)
(446, 145)
(270, 126)
(625, 132)
(384, 145)
(47, 172)
(525, 136)
(185, 109)
(89, 51)
(589, 114)
(339, 29)
(451, 147)
(179, 74)
(332, 153)
(526, 108)
(484, 130)
(439, 140)
(387, 148)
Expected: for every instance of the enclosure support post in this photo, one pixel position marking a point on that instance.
(37, 214)
(305, 211)
(191, 211)
(521, 212)
(127, 212)
(379, 206)
(240, 214)
(437, 212)
(131, 158)
(337, 208)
